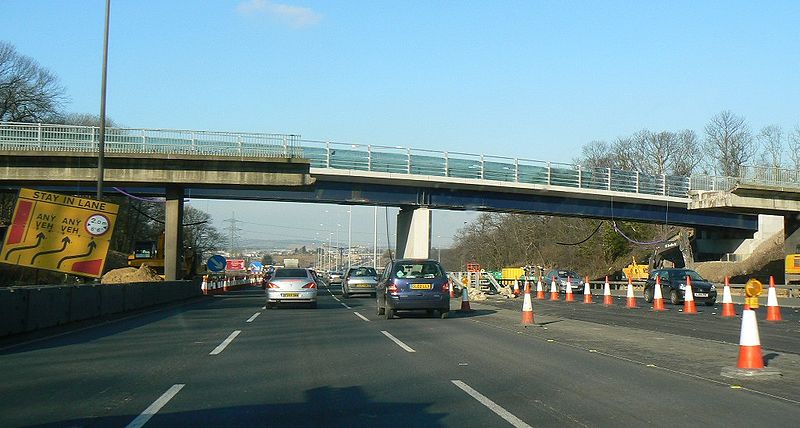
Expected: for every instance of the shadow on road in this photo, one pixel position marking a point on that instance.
(325, 406)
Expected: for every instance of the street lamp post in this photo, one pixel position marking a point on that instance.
(101, 142)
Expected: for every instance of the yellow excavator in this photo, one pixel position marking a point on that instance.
(151, 253)
(636, 271)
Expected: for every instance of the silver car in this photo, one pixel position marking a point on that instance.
(359, 280)
(290, 285)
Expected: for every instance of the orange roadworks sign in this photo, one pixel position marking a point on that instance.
(59, 232)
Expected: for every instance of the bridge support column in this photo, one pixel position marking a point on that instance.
(173, 233)
(413, 233)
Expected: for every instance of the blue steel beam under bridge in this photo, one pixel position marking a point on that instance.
(433, 197)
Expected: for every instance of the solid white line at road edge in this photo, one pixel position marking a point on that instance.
(361, 316)
(255, 315)
(345, 305)
(503, 413)
(155, 407)
(397, 341)
(225, 343)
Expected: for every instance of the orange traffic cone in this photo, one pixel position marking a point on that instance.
(516, 288)
(750, 363)
(539, 289)
(465, 300)
(587, 292)
(727, 302)
(553, 290)
(204, 285)
(688, 298)
(631, 297)
(527, 307)
(773, 310)
(569, 297)
(658, 298)
(607, 294)
(749, 343)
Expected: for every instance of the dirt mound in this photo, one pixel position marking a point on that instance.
(130, 274)
(766, 260)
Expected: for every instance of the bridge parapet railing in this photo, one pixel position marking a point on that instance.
(71, 138)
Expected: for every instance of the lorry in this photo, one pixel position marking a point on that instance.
(291, 263)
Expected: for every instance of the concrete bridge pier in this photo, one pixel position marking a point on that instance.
(173, 233)
(413, 233)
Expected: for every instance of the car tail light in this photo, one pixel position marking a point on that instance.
(310, 285)
(446, 287)
(392, 288)
(272, 285)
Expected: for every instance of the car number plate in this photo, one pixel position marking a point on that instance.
(421, 286)
(361, 285)
(700, 294)
(290, 294)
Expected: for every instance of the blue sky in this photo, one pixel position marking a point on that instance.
(533, 79)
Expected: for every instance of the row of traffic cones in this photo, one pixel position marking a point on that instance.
(750, 362)
(689, 306)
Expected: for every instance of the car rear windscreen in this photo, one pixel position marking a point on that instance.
(290, 273)
(364, 271)
(425, 270)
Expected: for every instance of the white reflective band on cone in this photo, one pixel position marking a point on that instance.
(749, 334)
(772, 297)
(526, 305)
(726, 295)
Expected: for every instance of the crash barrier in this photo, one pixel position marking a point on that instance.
(26, 309)
(220, 284)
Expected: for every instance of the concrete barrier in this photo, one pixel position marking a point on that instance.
(14, 310)
(84, 302)
(25, 309)
(112, 299)
(47, 307)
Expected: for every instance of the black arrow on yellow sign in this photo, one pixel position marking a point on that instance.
(39, 238)
(65, 241)
(92, 246)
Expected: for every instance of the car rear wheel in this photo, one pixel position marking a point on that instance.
(648, 295)
(345, 294)
(269, 305)
(674, 298)
(388, 313)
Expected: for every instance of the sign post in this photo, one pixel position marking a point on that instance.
(60, 233)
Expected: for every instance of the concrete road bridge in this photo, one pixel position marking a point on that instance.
(283, 167)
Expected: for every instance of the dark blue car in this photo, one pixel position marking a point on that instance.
(413, 284)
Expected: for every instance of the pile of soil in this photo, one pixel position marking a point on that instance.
(766, 261)
(130, 274)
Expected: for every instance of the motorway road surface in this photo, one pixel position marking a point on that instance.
(226, 361)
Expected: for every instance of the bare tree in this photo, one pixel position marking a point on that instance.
(770, 139)
(793, 138)
(596, 154)
(80, 119)
(28, 92)
(729, 143)
(687, 153)
(654, 150)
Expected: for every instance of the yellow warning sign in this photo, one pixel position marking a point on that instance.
(59, 232)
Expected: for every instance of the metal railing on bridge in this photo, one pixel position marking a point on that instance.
(375, 158)
(68, 138)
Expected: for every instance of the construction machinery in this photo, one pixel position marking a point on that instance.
(636, 271)
(151, 253)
